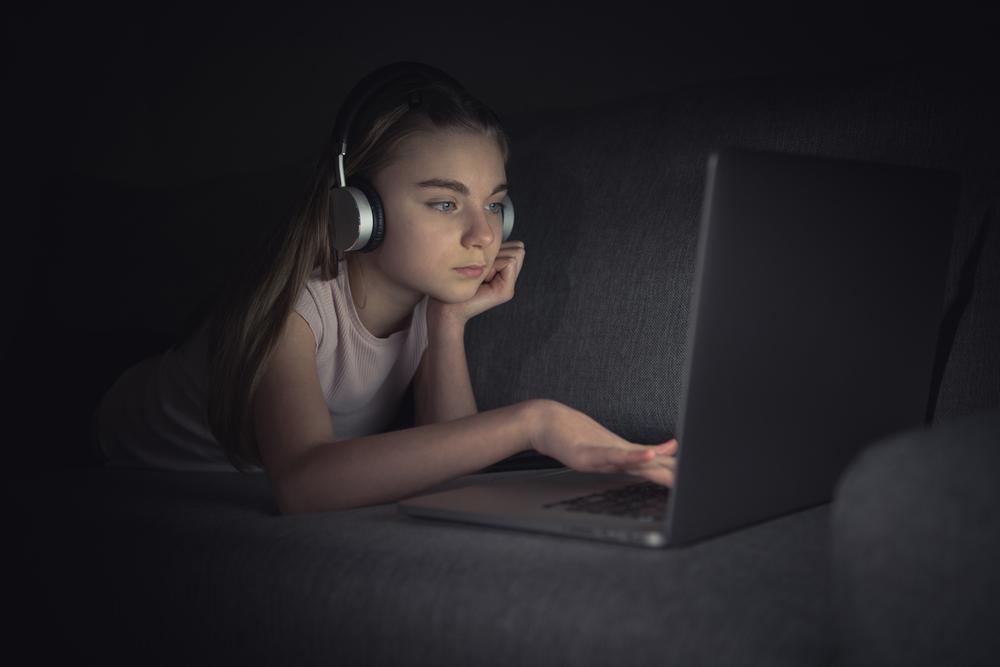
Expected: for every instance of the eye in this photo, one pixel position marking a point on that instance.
(436, 204)
(496, 207)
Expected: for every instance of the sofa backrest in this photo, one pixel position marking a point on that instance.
(608, 203)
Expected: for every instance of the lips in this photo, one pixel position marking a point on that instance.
(471, 271)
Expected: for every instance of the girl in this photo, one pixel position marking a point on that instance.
(301, 367)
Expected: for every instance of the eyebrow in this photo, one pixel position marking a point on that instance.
(457, 186)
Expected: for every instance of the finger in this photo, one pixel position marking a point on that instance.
(510, 253)
(515, 252)
(516, 263)
(625, 459)
(668, 447)
(659, 461)
(515, 255)
(661, 476)
(666, 462)
(498, 269)
(508, 275)
(510, 250)
(619, 458)
(499, 264)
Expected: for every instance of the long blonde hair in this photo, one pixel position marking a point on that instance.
(251, 312)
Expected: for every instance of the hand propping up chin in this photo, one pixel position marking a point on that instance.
(497, 287)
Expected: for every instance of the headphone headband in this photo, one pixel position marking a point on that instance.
(367, 88)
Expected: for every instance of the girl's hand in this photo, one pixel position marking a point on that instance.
(578, 441)
(497, 287)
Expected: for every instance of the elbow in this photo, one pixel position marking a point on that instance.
(292, 496)
(290, 503)
(283, 489)
(321, 479)
(295, 487)
(287, 501)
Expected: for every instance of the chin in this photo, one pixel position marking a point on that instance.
(456, 294)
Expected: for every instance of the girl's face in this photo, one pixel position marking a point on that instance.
(441, 200)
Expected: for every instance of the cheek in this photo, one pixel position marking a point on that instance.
(417, 224)
(406, 233)
(412, 254)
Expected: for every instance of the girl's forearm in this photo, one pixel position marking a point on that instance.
(444, 391)
(387, 467)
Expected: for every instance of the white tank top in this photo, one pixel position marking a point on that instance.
(154, 414)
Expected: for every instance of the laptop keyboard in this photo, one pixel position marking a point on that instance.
(645, 501)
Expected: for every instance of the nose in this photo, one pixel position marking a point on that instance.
(479, 231)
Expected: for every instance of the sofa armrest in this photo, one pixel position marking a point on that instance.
(916, 548)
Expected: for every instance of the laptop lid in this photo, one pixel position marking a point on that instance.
(818, 293)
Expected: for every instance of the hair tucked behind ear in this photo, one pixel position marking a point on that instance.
(251, 313)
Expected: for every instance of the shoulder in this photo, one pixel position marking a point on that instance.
(314, 305)
(293, 360)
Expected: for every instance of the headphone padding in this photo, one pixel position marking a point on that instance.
(378, 216)
(508, 217)
(350, 218)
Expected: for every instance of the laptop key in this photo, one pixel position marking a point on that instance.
(645, 501)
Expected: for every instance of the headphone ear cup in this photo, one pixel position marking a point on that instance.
(377, 213)
(508, 217)
(350, 218)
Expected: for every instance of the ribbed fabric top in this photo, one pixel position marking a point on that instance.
(154, 414)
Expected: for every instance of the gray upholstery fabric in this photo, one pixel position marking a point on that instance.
(916, 548)
(195, 568)
(171, 568)
(608, 203)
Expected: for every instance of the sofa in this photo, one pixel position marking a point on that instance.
(153, 567)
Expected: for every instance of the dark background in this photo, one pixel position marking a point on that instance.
(166, 94)
(169, 96)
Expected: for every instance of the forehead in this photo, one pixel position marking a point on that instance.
(459, 155)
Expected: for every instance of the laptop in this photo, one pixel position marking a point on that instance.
(818, 295)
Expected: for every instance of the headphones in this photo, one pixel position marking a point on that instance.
(356, 212)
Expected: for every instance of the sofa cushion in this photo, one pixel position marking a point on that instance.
(916, 542)
(156, 567)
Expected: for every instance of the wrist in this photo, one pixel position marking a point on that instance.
(445, 328)
(531, 415)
